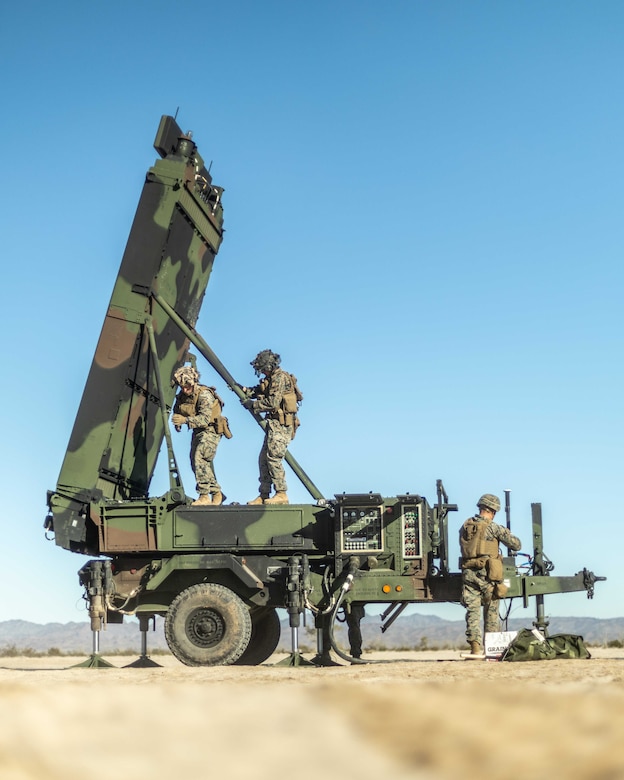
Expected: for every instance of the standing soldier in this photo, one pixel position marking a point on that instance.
(199, 407)
(482, 570)
(277, 397)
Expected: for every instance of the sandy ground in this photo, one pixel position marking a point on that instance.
(414, 715)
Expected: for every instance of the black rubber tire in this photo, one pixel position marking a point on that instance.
(265, 635)
(207, 625)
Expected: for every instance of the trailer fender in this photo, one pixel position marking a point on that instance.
(233, 563)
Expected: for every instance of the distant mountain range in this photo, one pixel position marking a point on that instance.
(409, 631)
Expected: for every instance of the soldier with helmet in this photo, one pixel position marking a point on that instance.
(199, 407)
(277, 397)
(482, 570)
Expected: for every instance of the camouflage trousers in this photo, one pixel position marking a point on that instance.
(477, 595)
(203, 450)
(276, 440)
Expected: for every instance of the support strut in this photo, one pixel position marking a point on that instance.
(293, 607)
(144, 661)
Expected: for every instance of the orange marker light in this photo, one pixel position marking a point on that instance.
(386, 588)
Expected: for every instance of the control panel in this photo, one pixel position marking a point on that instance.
(361, 526)
(411, 530)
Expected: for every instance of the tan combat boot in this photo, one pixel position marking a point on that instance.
(203, 500)
(217, 498)
(258, 500)
(476, 650)
(279, 498)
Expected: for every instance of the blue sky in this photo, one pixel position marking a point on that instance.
(423, 210)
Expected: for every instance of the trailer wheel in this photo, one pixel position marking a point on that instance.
(265, 636)
(207, 625)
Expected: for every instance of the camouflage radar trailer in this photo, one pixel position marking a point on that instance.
(218, 574)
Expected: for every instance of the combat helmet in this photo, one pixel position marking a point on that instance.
(489, 501)
(265, 362)
(186, 375)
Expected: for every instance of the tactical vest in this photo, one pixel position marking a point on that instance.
(289, 405)
(473, 544)
(217, 420)
(292, 397)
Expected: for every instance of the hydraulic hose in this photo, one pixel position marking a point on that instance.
(345, 656)
(346, 586)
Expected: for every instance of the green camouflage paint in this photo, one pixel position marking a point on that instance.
(118, 430)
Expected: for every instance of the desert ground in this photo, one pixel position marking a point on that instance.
(409, 715)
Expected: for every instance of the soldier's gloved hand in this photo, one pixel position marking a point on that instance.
(248, 403)
(178, 419)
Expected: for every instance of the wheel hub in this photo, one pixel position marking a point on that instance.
(205, 627)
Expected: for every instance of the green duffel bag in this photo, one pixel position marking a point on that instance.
(569, 646)
(530, 645)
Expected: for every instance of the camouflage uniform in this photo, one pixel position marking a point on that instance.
(205, 439)
(277, 436)
(477, 590)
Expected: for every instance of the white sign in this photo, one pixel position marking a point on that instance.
(496, 642)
